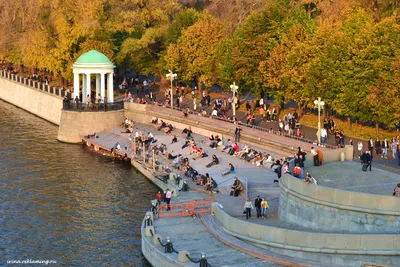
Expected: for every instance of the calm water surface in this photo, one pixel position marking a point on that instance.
(60, 202)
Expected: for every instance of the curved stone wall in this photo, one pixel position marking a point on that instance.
(330, 209)
(75, 124)
(155, 256)
(341, 249)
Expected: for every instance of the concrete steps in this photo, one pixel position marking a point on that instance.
(215, 228)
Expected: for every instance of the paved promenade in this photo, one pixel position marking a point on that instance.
(307, 132)
(191, 235)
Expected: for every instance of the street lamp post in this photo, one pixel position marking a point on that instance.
(171, 76)
(234, 88)
(320, 105)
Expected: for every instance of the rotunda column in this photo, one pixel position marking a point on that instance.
(110, 87)
(98, 85)
(84, 84)
(87, 88)
(102, 85)
(76, 85)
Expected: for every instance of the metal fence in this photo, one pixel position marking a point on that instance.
(302, 139)
(92, 107)
(32, 83)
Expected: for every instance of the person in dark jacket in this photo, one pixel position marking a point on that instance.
(257, 204)
(366, 159)
(277, 169)
(214, 161)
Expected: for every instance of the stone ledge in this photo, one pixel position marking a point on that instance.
(314, 242)
(300, 190)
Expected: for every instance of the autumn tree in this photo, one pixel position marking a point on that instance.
(194, 55)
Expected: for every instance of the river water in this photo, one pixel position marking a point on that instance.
(63, 203)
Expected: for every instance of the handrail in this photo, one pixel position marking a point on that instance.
(81, 107)
(32, 83)
(246, 125)
(190, 208)
(169, 247)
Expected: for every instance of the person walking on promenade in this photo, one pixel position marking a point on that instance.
(385, 147)
(159, 197)
(248, 206)
(257, 204)
(366, 159)
(237, 134)
(324, 135)
(264, 207)
(168, 196)
(371, 145)
(394, 148)
(360, 147)
(378, 146)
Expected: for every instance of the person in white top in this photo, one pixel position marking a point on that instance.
(168, 196)
(324, 135)
(360, 147)
(314, 153)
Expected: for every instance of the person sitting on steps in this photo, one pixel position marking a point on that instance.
(231, 170)
(162, 125)
(237, 187)
(215, 161)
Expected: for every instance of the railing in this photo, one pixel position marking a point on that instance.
(92, 107)
(248, 126)
(185, 209)
(149, 231)
(32, 83)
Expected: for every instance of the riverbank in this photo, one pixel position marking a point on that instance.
(259, 182)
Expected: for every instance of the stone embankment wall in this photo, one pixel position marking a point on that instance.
(323, 208)
(330, 248)
(40, 103)
(75, 124)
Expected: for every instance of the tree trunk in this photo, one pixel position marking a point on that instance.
(325, 111)
(349, 122)
(200, 88)
(375, 4)
(377, 128)
(60, 79)
(301, 110)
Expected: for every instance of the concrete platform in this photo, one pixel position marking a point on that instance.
(349, 176)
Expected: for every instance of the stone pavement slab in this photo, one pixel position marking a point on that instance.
(349, 176)
(214, 227)
(189, 234)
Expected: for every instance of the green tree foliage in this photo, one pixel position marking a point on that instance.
(345, 51)
(256, 37)
(194, 55)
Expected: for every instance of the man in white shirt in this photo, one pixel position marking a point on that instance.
(315, 156)
(324, 135)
